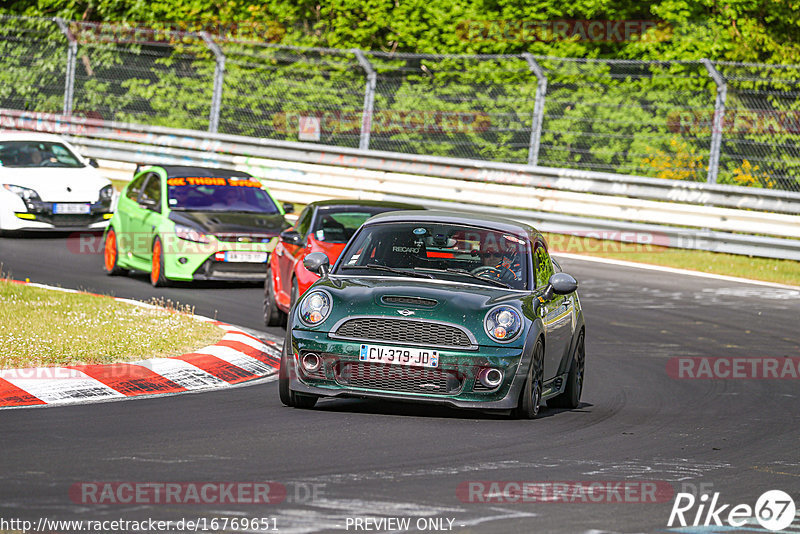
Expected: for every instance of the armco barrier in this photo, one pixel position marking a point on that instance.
(684, 214)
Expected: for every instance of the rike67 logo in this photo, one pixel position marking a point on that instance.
(774, 510)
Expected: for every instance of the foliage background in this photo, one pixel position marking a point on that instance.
(618, 117)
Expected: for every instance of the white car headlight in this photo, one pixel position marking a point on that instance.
(190, 234)
(503, 324)
(315, 308)
(107, 193)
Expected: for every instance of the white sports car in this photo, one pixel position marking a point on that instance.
(46, 185)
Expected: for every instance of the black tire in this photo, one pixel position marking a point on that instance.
(295, 294)
(273, 316)
(283, 376)
(160, 280)
(289, 397)
(571, 397)
(531, 396)
(111, 254)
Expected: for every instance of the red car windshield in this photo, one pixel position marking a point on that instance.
(338, 224)
(219, 194)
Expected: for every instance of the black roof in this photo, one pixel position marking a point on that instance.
(183, 171)
(501, 224)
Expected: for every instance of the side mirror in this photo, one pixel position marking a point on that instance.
(292, 237)
(288, 207)
(562, 284)
(318, 263)
(93, 163)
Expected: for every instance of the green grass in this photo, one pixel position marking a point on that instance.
(44, 327)
(769, 270)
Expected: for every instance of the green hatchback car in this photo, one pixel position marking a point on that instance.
(193, 223)
(438, 307)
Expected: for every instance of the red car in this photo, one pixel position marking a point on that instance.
(324, 226)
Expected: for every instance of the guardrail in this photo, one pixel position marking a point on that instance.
(679, 214)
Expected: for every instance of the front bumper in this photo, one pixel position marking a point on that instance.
(97, 220)
(454, 383)
(189, 261)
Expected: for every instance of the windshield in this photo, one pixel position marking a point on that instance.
(338, 224)
(444, 251)
(37, 154)
(219, 194)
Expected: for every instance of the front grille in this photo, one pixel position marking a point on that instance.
(397, 378)
(231, 270)
(480, 388)
(70, 220)
(404, 331)
(409, 301)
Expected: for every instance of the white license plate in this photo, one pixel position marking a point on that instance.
(71, 209)
(245, 257)
(399, 355)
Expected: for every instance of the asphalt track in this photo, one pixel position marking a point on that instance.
(368, 459)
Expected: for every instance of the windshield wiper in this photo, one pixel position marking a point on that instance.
(498, 283)
(379, 267)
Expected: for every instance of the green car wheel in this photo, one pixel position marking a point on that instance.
(157, 277)
(531, 396)
(571, 397)
(289, 397)
(111, 254)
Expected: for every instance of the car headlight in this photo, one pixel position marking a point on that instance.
(106, 194)
(28, 195)
(503, 324)
(315, 308)
(190, 234)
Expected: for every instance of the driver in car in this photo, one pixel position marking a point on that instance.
(506, 263)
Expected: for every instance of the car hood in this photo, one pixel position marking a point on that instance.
(227, 222)
(57, 184)
(456, 303)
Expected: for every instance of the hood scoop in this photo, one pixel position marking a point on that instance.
(397, 300)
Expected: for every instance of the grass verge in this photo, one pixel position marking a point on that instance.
(766, 269)
(43, 327)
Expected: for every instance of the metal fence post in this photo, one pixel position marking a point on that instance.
(719, 120)
(72, 55)
(369, 98)
(219, 77)
(538, 109)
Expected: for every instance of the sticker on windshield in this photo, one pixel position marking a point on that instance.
(196, 180)
(419, 231)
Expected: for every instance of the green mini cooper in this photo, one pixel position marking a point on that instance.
(438, 307)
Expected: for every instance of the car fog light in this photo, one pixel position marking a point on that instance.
(490, 378)
(311, 362)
